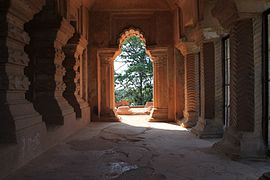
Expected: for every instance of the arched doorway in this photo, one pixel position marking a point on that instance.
(106, 97)
(133, 75)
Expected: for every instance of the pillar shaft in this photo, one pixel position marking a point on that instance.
(107, 112)
(17, 114)
(179, 85)
(190, 85)
(73, 78)
(49, 33)
(243, 137)
(160, 62)
(190, 52)
(207, 127)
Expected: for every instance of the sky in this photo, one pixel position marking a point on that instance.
(119, 66)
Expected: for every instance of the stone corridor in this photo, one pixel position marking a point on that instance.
(137, 149)
(211, 73)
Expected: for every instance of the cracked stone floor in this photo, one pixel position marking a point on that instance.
(136, 150)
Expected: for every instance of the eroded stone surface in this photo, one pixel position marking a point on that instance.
(137, 149)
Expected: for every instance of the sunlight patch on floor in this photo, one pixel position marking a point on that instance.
(142, 121)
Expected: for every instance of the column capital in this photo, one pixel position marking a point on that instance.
(160, 59)
(106, 58)
(211, 34)
(188, 48)
(107, 55)
(159, 55)
(76, 45)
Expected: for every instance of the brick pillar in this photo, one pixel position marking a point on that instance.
(19, 122)
(160, 110)
(107, 112)
(191, 58)
(49, 33)
(73, 77)
(207, 127)
(243, 137)
(179, 85)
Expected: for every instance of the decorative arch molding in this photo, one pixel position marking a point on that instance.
(129, 33)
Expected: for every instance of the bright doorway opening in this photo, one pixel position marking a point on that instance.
(133, 78)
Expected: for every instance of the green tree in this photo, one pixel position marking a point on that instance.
(134, 84)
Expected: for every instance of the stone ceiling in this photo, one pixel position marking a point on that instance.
(104, 5)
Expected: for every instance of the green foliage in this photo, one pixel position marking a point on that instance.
(135, 84)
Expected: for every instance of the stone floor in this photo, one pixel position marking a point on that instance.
(137, 150)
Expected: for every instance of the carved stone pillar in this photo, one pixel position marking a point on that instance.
(191, 55)
(243, 137)
(107, 112)
(73, 77)
(160, 110)
(49, 33)
(207, 126)
(18, 119)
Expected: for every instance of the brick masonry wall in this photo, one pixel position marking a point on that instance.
(219, 100)
(209, 72)
(242, 76)
(257, 36)
(268, 78)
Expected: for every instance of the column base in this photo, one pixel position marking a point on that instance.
(86, 115)
(54, 110)
(22, 117)
(109, 116)
(238, 145)
(159, 115)
(84, 110)
(29, 144)
(190, 119)
(207, 128)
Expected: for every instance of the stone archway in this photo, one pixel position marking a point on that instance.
(134, 39)
(106, 99)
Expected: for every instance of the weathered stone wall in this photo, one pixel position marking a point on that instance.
(106, 27)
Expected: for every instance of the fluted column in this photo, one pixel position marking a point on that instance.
(160, 63)
(73, 77)
(191, 59)
(18, 119)
(49, 33)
